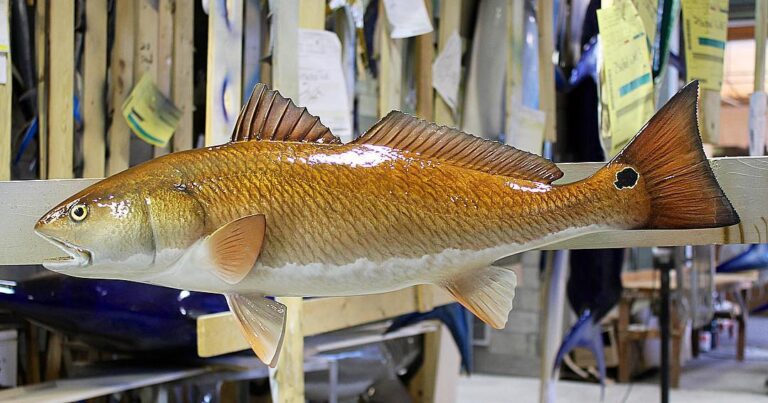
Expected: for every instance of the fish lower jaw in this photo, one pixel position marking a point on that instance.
(76, 256)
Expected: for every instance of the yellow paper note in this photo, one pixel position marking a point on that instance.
(151, 116)
(705, 29)
(648, 11)
(626, 81)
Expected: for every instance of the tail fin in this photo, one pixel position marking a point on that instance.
(668, 154)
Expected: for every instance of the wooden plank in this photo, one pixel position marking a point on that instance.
(183, 72)
(709, 116)
(390, 67)
(450, 21)
(219, 333)
(62, 75)
(94, 77)
(224, 73)
(744, 180)
(544, 15)
(164, 66)
(287, 378)
(425, 55)
(145, 54)
(41, 50)
(6, 94)
(121, 67)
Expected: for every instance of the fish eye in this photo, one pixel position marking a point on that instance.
(78, 212)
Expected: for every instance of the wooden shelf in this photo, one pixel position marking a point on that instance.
(744, 180)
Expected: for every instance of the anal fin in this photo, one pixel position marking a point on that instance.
(262, 321)
(486, 292)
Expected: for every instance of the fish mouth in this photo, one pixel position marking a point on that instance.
(76, 256)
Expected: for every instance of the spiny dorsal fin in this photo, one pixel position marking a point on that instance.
(408, 133)
(270, 116)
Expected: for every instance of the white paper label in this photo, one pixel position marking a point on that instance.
(3, 68)
(757, 109)
(407, 18)
(525, 128)
(322, 89)
(446, 71)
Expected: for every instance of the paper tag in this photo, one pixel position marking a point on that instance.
(446, 71)
(407, 18)
(705, 29)
(151, 116)
(626, 83)
(525, 128)
(322, 89)
(757, 109)
(3, 68)
(648, 11)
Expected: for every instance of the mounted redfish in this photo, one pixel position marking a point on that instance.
(285, 209)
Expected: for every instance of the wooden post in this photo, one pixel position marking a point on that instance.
(41, 49)
(224, 88)
(287, 380)
(436, 380)
(515, 40)
(145, 62)
(450, 21)
(5, 105)
(390, 67)
(761, 19)
(164, 66)
(425, 55)
(62, 75)
(94, 77)
(183, 71)
(544, 13)
(122, 81)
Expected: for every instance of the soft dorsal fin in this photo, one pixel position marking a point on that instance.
(408, 133)
(270, 116)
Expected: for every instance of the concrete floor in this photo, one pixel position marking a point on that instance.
(713, 377)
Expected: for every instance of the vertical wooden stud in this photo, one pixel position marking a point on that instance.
(121, 68)
(544, 13)
(145, 62)
(41, 49)
(165, 28)
(450, 21)
(425, 54)
(390, 67)
(224, 88)
(183, 71)
(5, 106)
(94, 77)
(287, 380)
(62, 75)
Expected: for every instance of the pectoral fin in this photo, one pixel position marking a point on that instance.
(262, 321)
(487, 292)
(235, 247)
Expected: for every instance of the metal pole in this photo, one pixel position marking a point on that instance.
(663, 260)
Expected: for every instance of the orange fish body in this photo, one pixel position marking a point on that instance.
(293, 212)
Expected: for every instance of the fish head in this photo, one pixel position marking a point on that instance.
(105, 231)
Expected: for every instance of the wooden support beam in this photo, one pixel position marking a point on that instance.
(6, 94)
(41, 50)
(544, 13)
(165, 27)
(425, 55)
(216, 333)
(390, 67)
(224, 88)
(744, 180)
(145, 56)
(94, 85)
(61, 78)
(183, 72)
(450, 22)
(121, 76)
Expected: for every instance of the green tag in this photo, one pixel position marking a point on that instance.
(150, 115)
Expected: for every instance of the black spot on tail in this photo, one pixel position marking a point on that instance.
(626, 178)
